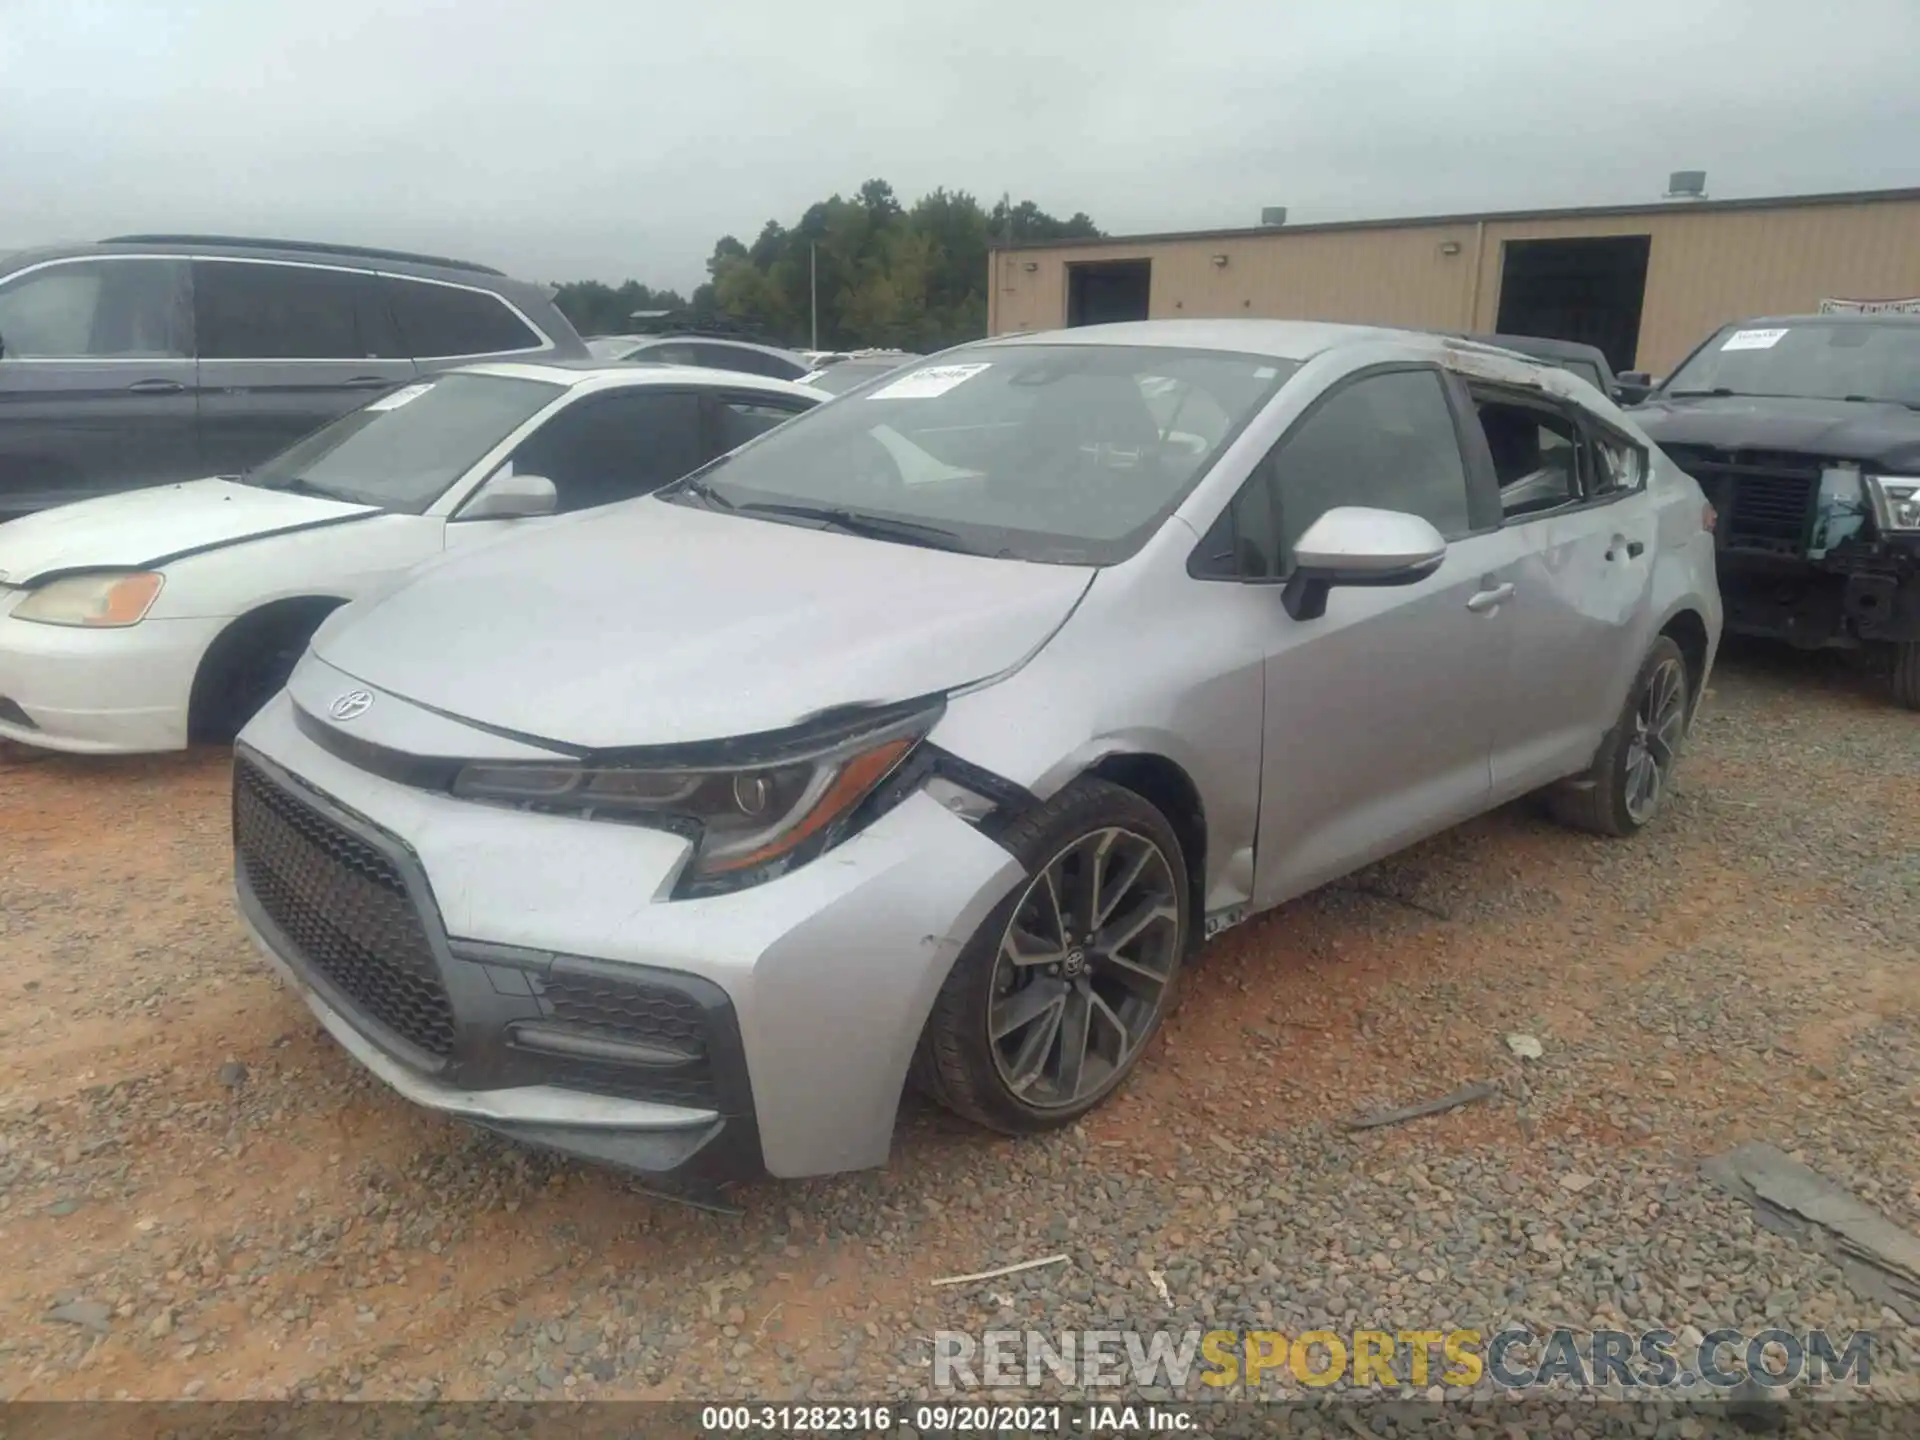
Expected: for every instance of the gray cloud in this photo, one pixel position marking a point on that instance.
(620, 138)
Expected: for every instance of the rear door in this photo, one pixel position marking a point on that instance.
(96, 380)
(284, 348)
(1573, 511)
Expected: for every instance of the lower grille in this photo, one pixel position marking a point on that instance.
(625, 1010)
(1765, 503)
(12, 714)
(344, 906)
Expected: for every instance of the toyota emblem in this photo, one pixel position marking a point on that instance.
(352, 705)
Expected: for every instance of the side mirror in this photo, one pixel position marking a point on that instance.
(1633, 386)
(507, 496)
(1357, 545)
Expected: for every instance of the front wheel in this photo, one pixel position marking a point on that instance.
(1906, 673)
(1051, 1003)
(1632, 775)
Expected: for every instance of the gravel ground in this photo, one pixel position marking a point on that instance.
(201, 1196)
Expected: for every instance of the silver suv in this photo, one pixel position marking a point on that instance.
(153, 358)
(933, 730)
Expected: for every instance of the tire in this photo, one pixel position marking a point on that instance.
(1116, 1006)
(1906, 673)
(1608, 798)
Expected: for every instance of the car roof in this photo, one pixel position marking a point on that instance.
(1279, 339)
(612, 375)
(1542, 345)
(676, 338)
(348, 257)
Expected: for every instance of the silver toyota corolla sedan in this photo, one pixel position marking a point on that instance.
(928, 734)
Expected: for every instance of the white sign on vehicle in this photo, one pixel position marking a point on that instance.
(1753, 339)
(925, 384)
(400, 397)
(1870, 307)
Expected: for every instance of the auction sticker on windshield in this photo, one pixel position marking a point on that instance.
(925, 384)
(1753, 339)
(400, 397)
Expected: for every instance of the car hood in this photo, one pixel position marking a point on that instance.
(653, 623)
(1874, 434)
(141, 529)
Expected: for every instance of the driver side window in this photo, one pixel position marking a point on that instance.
(1386, 441)
(617, 446)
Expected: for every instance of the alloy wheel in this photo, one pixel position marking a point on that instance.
(1085, 968)
(1659, 725)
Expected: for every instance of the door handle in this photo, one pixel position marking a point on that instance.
(1487, 600)
(156, 387)
(1635, 548)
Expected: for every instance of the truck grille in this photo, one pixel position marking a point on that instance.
(1765, 501)
(344, 906)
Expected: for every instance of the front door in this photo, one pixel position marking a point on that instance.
(96, 380)
(1378, 714)
(284, 348)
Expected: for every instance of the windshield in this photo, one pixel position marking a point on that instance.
(1811, 359)
(403, 450)
(1068, 454)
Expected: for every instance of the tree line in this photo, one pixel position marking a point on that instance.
(908, 277)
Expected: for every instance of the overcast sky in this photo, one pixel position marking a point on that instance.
(563, 139)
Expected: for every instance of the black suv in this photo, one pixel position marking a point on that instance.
(151, 358)
(1804, 430)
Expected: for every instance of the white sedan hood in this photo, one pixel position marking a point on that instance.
(653, 623)
(143, 528)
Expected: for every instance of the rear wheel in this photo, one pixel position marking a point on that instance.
(1632, 775)
(1053, 1000)
(1906, 673)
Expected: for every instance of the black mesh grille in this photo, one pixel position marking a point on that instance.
(1764, 501)
(344, 906)
(678, 1087)
(623, 1010)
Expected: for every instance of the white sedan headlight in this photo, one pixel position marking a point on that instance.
(1896, 501)
(107, 600)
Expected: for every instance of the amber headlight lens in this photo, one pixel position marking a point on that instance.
(102, 601)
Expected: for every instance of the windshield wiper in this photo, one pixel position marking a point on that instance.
(701, 489)
(1720, 391)
(874, 527)
(1878, 400)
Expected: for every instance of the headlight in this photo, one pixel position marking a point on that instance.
(748, 822)
(93, 600)
(1896, 501)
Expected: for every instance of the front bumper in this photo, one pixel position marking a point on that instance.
(553, 993)
(105, 692)
(1830, 603)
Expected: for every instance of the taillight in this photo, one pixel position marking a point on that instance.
(1708, 517)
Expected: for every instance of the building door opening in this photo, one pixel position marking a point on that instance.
(1586, 290)
(1102, 291)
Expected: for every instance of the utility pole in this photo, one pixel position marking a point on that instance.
(813, 289)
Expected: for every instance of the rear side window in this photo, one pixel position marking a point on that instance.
(98, 310)
(1619, 466)
(439, 322)
(747, 361)
(248, 310)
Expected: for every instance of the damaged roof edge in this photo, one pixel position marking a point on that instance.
(1412, 222)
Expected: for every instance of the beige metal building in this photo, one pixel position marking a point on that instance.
(1644, 283)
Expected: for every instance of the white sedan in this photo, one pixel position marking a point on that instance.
(142, 621)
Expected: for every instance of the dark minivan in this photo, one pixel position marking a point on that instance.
(152, 358)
